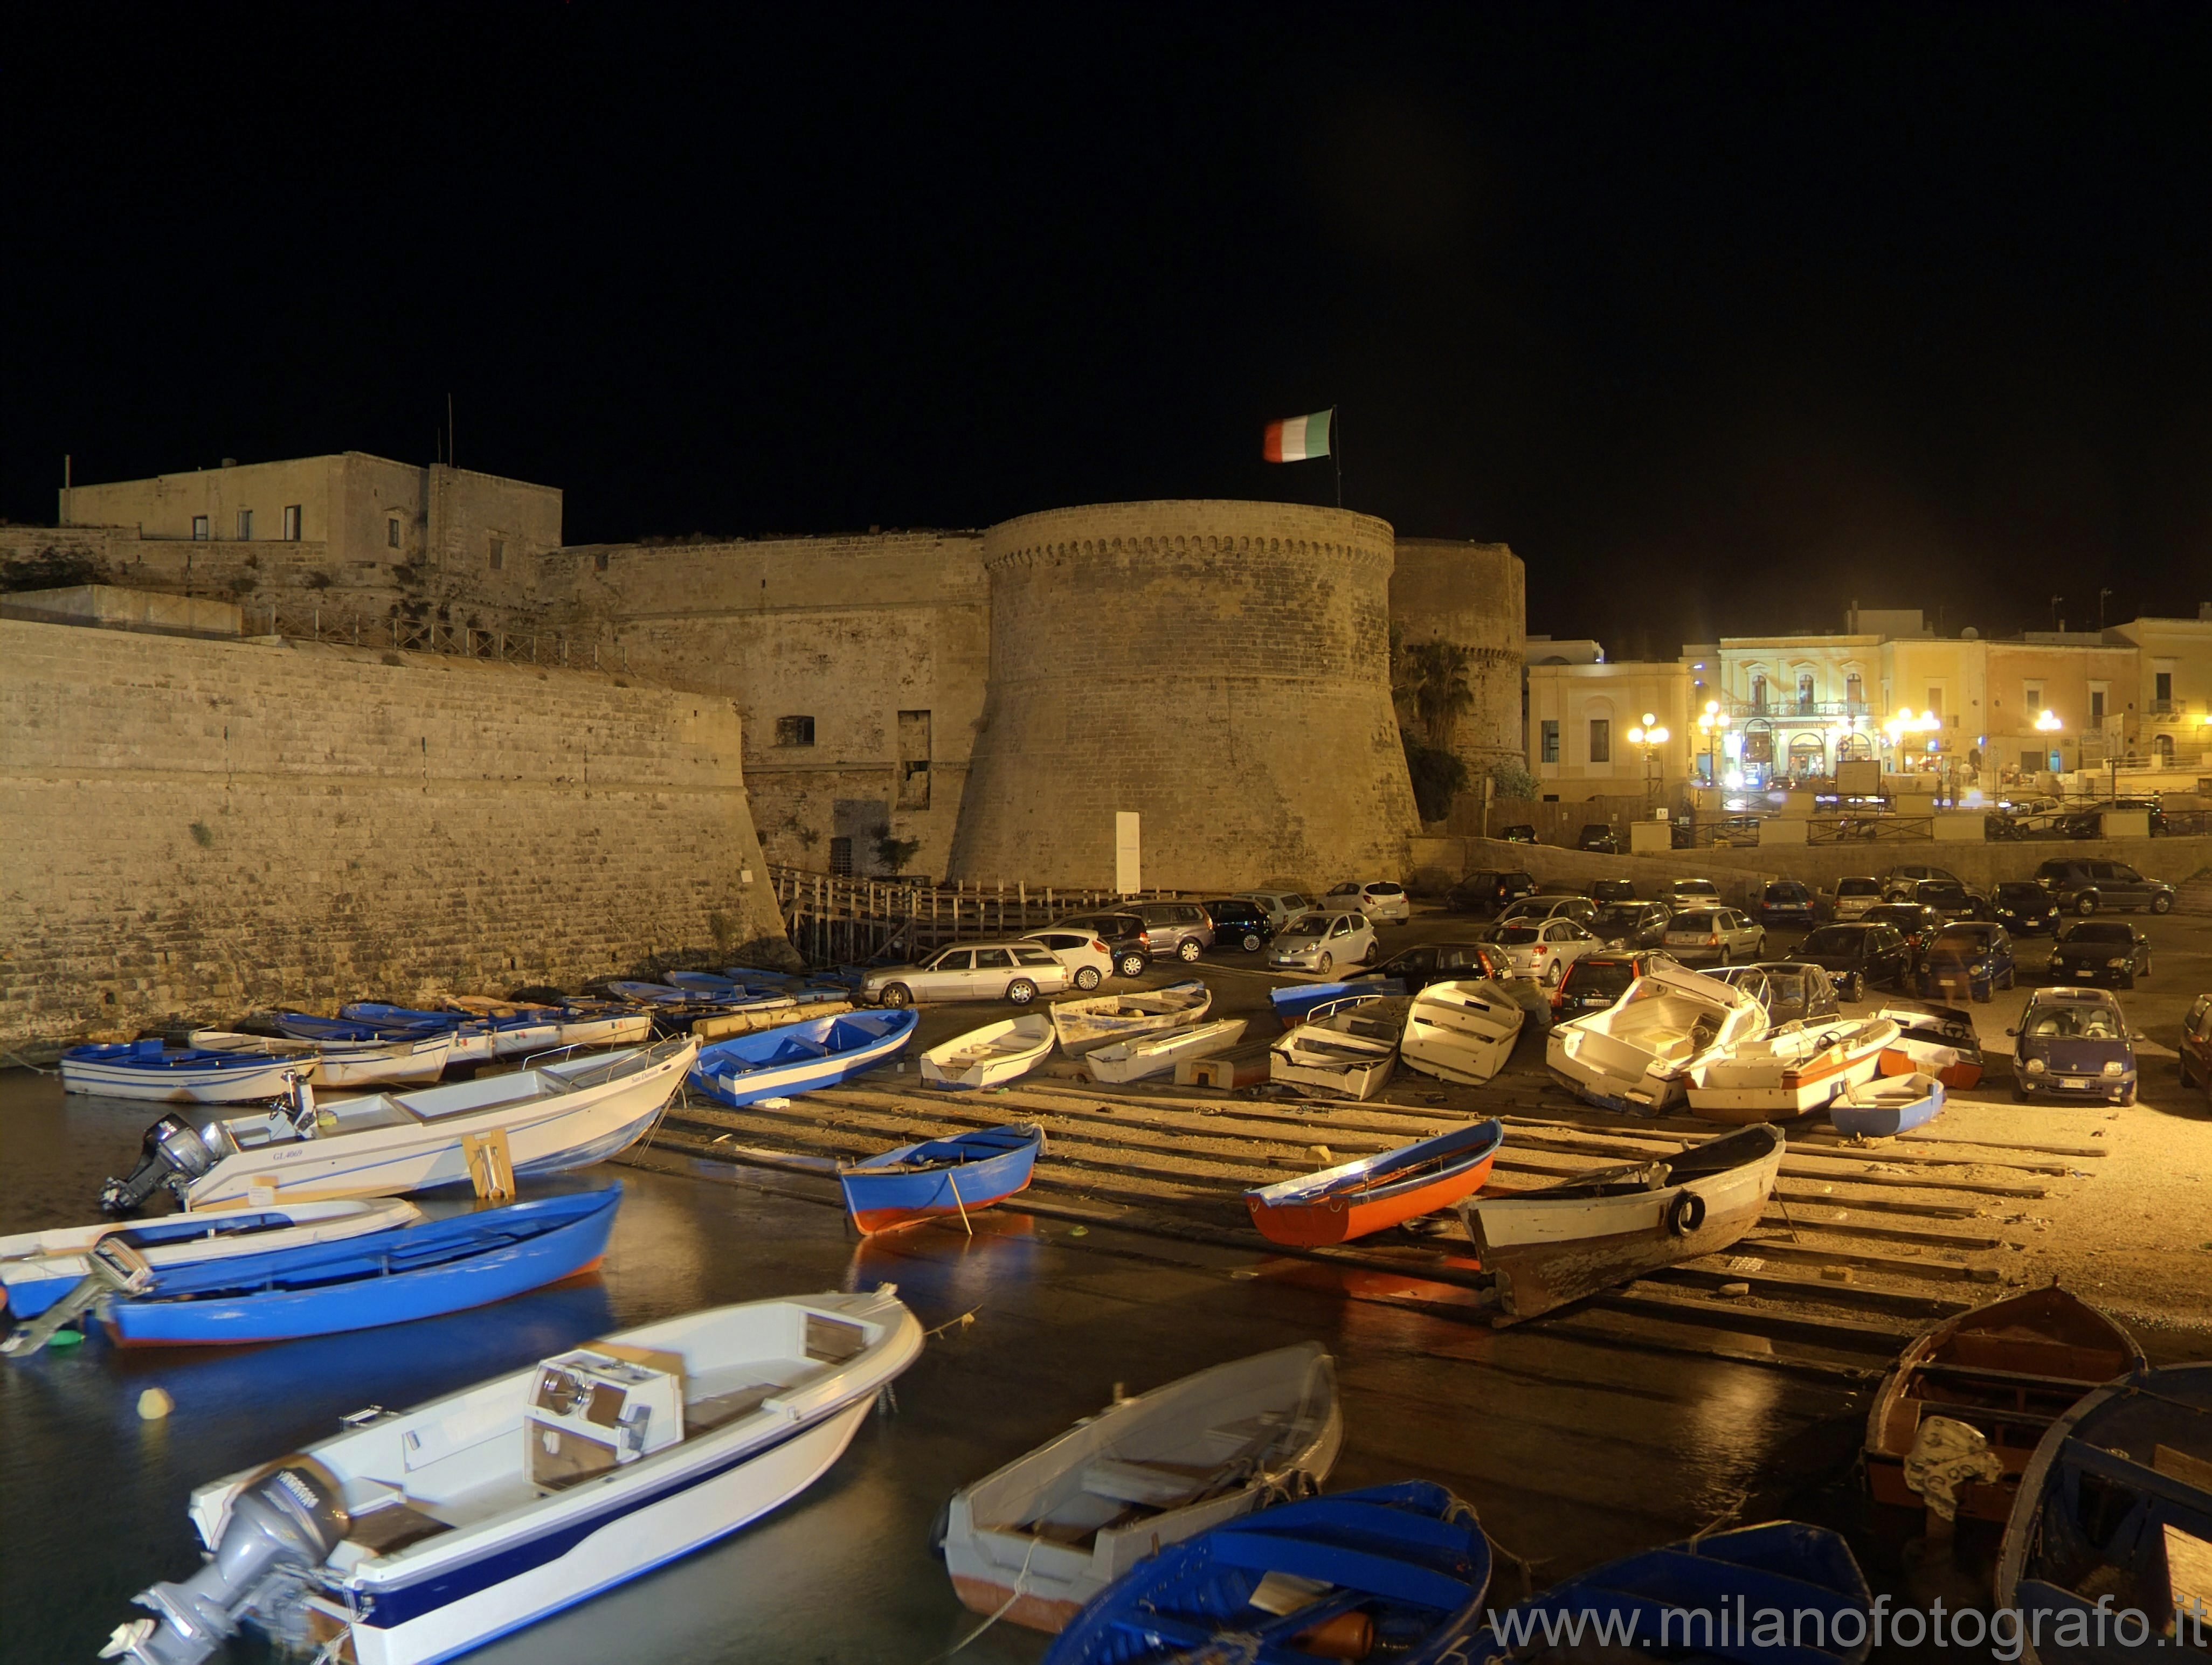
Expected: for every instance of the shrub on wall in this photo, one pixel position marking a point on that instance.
(1511, 779)
(1438, 776)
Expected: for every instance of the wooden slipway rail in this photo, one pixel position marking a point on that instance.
(1862, 1244)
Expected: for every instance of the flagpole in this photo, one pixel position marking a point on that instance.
(1336, 453)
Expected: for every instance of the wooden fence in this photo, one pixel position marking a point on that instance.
(833, 920)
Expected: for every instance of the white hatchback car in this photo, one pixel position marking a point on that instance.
(1384, 902)
(1544, 949)
(1089, 961)
(1281, 905)
(1323, 942)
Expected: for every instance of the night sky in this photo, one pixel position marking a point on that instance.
(1721, 315)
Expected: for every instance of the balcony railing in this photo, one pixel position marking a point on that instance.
(1792, 709)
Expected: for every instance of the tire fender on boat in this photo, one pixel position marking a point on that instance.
(1686, 1214)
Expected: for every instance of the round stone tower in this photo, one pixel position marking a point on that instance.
(1473, 596)
(1220, 669)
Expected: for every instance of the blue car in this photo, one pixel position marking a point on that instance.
(2075, 1043)
(1969, 959)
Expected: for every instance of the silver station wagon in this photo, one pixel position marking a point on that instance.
(1018, 972)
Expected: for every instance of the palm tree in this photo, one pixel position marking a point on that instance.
(1440, 692)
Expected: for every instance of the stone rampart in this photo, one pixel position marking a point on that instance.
(1473, 596)
(1220, 668)
(196, 828)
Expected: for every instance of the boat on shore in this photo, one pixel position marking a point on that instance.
(1886, 1106)
(1376, 1192)
(1788, 1071)
(1293, 1003)
(514, 1031)
(1461, 1031)
(471, 1037)
(989, 1056)
(542, 1119)
(421, 1269)
(2115, 1514)
(1041, 1537)
(37, 1268)
(1636, 1054)
(581, 1019)
(402, 1060)
(413, 1538)
(152, 1069)
(2007, 1369)
(1158, 1053)
(939, 1179)
(1940, 1041)
(1324, 1577)
(1344, 1050)
(800, 1057)
(1101, 1019)
(1560, 1243)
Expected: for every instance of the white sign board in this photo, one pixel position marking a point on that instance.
(1128, 870)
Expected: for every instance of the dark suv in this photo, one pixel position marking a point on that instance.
(1786, 902)
(2086, 887)
(1488, 890)
(1239, 923)
(1598, 837)
(1180, 929)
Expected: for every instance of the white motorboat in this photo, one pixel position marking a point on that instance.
(1348, 1050)
(1792, 1070)
(1156, 1054)
(400, 1060)
(1045, 1534)
(1636, 1054)
(543, 1120)
(1461, 1031)
(1101, 1019)
(1558, 1244)
(37, 1267)
(413, 1538)
(997, 1052)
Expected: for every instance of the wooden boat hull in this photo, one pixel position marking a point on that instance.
(2051, 1347)
(1547, 1253)
(886, 1192)
(1157, 1054)
(1886, 1106)
(800, 1057)
(1101, 1019)
(1376, 1192)
(1461, 1031)
(417, 1271)
(996, 1053)
(994, 1552)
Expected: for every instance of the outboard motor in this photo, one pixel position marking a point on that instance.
(282, 1527)
(173, 1153)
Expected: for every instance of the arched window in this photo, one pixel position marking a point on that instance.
(1855, 691)
(2162, 744)
(1854, 745)
(1758, 691)
(1808, 754)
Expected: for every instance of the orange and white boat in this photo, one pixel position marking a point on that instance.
(1789, 1071)
(1941, 1042)
(1388, 1189)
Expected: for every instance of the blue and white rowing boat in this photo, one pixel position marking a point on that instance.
(1886, 1106)
(800, 1057)
(418, 1537)
(1325, 1576)
(513, 1032)
(1294, 1002)
(180, 1076)
(417, 1270)
(471, 1038)
(1722, 1592)
(939, 1179)
(397, 1060)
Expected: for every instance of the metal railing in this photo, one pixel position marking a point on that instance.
(437, 636)
(1869, 829)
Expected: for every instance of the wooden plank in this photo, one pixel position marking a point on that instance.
(1899, 1266)
(1775, 1285)
(1649, 1301)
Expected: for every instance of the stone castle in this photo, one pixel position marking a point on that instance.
(978, 706)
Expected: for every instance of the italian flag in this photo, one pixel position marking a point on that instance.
(1297, 439)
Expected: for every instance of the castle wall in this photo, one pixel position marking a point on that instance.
(199, 827)
(1218, 668)
(1474, 594)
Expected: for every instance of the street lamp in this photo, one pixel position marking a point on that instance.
(1712, 722)
(1651, 735)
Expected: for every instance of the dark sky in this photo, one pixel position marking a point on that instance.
(1720, 315)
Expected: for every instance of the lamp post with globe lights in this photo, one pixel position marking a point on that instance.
(1651, 734)
(1712, 725)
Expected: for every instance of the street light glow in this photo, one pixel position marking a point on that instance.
(2048, 723)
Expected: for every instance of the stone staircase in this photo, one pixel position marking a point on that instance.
(2194, 895)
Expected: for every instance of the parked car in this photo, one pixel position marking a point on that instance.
(1897, 884)
(1853, 896)
(1633, 924)
(1611, 890)
(1178, 929)
(1600, 838)
(1968, 958)
(1519, 832)
(1919, 923)
(2082, 886)
(1859, 956)
(1580, 909)
(1281, 906)
(1790, 990)
(1239, 923)
(1488, 890)
(2023, 907)
(1563, 887)
(1411, 970)
(2196, 1045)
(1786, 902)
(1948, 898)
(1018, 971)
(1123, 934)
(1089, 961)
(1683, 892)
(2102, 951)
(1385, 903)
(1543, 948)
(1597, 981)
(1323, 941)
(1715, 936)
(2073, 1043)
